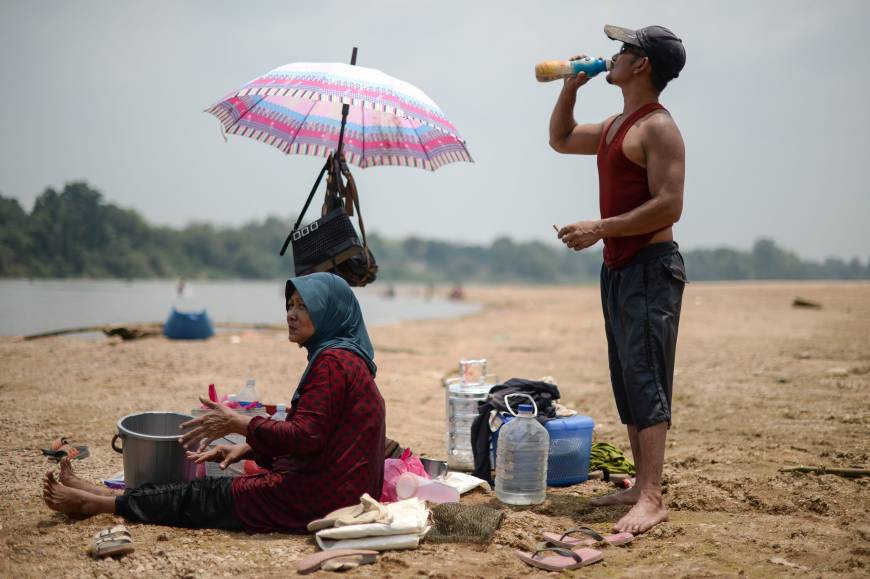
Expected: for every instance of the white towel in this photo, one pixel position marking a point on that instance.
(382, 543)
(464, 482)
(409, 518)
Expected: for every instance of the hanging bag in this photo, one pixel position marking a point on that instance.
(331, 242)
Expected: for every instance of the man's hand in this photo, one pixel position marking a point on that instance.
(582, 234)
(572, 83)
(213, 425)
(225, 454)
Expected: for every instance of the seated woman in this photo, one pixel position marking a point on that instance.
(328, 452)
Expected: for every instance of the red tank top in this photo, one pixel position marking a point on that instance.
(622, 186)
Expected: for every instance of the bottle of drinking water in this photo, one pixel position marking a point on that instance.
(280, 412)
(249, 394)
(555, 69)
(521, 460)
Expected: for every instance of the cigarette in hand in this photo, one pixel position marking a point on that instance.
(556, 227)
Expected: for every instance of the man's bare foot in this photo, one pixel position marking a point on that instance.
(643, 516)
(626, 497)
(64, 499)
(68, 478)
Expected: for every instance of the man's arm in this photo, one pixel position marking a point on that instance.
(666, 171)
(566, 136)
(665, 156)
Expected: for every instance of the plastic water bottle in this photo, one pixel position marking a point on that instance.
(521, 460)
(280, 412)
(556, 69)
(248, 394)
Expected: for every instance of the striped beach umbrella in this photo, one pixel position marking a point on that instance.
(298, 109)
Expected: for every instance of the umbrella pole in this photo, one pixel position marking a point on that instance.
(345, 109)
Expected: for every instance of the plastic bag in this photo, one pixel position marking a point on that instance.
(393, 469)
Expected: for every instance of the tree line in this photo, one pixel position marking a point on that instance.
(76, 233)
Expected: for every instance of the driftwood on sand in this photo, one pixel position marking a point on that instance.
(845, 472)
(138, 331)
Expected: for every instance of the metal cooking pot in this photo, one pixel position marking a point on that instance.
(151, 450)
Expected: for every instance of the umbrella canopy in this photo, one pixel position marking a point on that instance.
(298, 108)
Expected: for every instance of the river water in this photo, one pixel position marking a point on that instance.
(30, 307)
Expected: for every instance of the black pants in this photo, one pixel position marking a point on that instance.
(641, 303)
(204, 503)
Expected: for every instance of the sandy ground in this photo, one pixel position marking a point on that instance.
(759, 385)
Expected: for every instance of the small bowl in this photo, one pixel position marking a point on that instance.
(437, 469)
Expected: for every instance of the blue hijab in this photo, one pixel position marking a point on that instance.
(336, 315)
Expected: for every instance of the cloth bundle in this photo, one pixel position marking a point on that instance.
(605, 456)
(545, 395)
(404, 523)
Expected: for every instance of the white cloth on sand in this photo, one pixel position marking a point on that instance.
(464, 482)
(409, 523)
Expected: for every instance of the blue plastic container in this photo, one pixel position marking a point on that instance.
(188, 325)
(570, 444)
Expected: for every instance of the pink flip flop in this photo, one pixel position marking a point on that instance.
(566, 541)
(314, 562)
(563, 560)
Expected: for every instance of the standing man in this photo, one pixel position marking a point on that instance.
(641, 168)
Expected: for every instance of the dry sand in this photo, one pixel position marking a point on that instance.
(759, 385)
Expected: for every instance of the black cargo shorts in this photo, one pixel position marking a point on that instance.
(641, 302)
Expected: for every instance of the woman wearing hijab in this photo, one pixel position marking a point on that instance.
(325, 455)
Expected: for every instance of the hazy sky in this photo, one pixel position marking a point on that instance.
(772, 105)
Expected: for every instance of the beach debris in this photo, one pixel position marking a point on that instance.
(787, 563)
(844, 472)
(802, 303)
(838, 371)
(131, 333)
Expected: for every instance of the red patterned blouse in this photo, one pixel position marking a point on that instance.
(328, 452)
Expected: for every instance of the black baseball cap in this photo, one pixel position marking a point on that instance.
(665, 51)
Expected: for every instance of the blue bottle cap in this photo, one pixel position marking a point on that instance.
(525, 408)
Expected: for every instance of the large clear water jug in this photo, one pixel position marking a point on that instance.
(521, 459)
(463, 395)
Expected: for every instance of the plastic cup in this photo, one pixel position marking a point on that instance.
(410, 485)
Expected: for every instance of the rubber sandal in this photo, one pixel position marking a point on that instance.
(61, 447)
(314, 562)
(563, 560)
(113, 532)
(59, 442)
(566, 541)
(346, 563)
(111, 543)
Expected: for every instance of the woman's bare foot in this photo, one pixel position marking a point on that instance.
(68, 478)
(643, 516)
(64, 499)
(72, 502)
(626, 497)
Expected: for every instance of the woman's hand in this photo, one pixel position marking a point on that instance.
(225, 454)
(215, 424)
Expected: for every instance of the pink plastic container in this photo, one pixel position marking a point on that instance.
(410, 485)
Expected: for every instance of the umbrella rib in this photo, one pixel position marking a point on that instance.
(249, 109)
(423, 146)
(301, 123)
